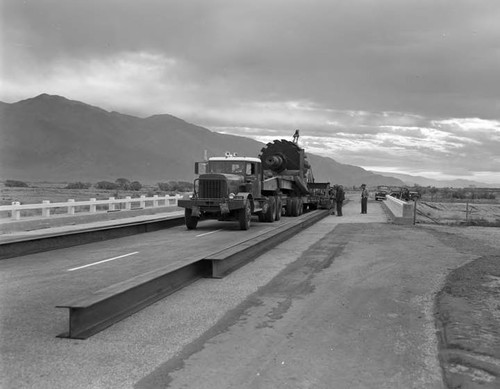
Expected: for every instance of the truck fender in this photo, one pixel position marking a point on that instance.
(246, 196)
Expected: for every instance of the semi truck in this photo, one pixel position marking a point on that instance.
(232, 188)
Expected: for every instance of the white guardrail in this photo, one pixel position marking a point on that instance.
(400, 208)
(89, 207)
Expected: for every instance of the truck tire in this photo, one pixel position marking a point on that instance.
(279, 206)
(271, 210)
(191, 221)
(244, 216)
(301, 207)
(289, 207)
(295, 206)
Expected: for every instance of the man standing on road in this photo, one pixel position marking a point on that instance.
(331, 196)
(339, 199)
(364, 198)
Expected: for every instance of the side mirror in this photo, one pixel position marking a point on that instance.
(200, 167)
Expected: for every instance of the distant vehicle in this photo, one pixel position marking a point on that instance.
(414, 195)
(382, 192)
(404, 194)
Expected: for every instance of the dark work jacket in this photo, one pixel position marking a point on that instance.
(340, 197)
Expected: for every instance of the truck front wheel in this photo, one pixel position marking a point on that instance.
(191, 221)
(244, 216)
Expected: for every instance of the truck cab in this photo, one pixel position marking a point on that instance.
(235, 175)
(227, 188)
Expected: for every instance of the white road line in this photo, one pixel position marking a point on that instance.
(208, 233)
(105, 260)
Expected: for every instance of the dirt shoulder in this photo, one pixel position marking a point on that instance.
(468, 310)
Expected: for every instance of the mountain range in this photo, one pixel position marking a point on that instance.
(51, 138)
(411, 180)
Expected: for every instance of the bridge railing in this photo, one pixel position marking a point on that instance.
(17, 210)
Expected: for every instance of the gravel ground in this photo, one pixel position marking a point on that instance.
(468, 309)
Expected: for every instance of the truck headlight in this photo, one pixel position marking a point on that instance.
(231, 196)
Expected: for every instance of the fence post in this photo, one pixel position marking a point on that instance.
(16, 213)
(45, 210)
(142, 203)
(414, 211)
(93, 208)
(467, 212)
(155, 201)
(71, 208)
(111, 205)
(128, 203)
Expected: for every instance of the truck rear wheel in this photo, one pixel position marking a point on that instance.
(289, 207)
(191, 221)
(244, 216)
(271, 210)
(295, 206)
(279, 205)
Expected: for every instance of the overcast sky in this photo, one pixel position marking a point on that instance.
(408, 86)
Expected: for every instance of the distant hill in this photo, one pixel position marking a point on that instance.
(410, 180)
(51, 138)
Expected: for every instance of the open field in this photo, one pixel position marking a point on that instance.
(55, 192)
(456, 213)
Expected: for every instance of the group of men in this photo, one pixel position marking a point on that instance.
(337, 195)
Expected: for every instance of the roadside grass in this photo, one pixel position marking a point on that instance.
(484, 214)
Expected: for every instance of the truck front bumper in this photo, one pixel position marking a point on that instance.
(212, 205)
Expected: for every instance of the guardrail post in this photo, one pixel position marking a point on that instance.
(155, 200)
(128, 203)
(93, 207)
(142, 203)
(45, 210)
(71, 208)
(16, 213)
(111, 205)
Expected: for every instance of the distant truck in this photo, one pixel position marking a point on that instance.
(382, 192)
(235, 188)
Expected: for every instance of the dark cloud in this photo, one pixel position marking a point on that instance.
(382, 74)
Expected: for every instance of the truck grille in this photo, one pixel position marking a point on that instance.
(212, 189)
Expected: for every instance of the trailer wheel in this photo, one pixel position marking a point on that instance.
(271, 210)
(301, 207)
(279, 205)
(191, 221)
(244, 216)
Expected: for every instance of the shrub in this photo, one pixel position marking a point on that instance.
(135, 185)
(106, 185)
(78, 185)
(164, 186)
(123, 183)
(15, 184)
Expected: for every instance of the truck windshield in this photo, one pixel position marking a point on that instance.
(234, 167)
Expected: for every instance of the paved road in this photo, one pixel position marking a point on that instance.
(348, 303)
(354, 310)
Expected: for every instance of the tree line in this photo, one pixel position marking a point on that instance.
(457, 193)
